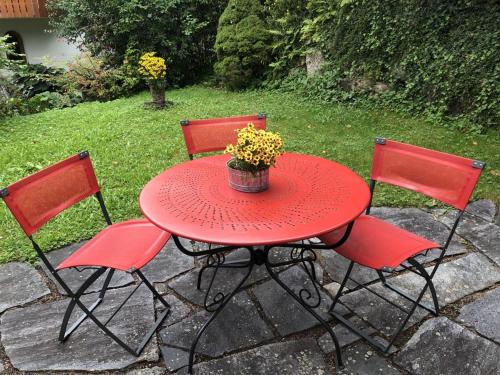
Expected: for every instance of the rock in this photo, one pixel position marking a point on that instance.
(344, 335)
(380, 87)
(238, 326)
(282, 310)
(74, 278)
(174, 358)
(2, 368)
(361, 359)
(332, 288)
(179, 310)
(19, 284)
(301, 357)
(169, 263)
(30, 335)
(148, 371)
(483, 235)
(484, 315)
(441, 346)
(314, 62)
(483, 208)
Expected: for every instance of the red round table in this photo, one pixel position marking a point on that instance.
(307, 196)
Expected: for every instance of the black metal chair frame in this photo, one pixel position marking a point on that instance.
(415, 267)
(75, 296)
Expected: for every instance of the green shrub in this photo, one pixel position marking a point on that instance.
(34, 79)
(182, 31)
(92, 80)
(242, 44)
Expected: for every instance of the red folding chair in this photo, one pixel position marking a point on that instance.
(215, 134)
(383, 247)
(126, 246)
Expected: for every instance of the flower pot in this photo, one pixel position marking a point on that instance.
(246, 181)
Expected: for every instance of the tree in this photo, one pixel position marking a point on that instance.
(181, 31)
(242, 44)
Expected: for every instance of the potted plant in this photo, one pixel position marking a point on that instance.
(153, 69)
(254, 152)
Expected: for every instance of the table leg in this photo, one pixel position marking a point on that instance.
(300, 297)
(222, 302)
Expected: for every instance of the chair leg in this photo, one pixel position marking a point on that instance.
(341, 288)
(88, 312)
(106, 283)
(63, 333)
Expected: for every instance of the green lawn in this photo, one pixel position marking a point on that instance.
(129, 145)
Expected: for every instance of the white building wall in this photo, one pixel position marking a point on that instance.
(40, 45)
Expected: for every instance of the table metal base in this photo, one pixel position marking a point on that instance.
(299, 254)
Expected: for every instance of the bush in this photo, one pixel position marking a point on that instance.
(183, 31)
(242, 44)
(92, 80)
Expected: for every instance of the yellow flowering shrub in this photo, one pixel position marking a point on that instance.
(255, 149)
(152, 67)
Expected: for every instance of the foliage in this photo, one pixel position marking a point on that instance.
(93, 80)
(183, 30)
(438, 58)
(242, 44)
(255, 149)
(130, 144)
(34, 79)
(285, 19)
(153, 68)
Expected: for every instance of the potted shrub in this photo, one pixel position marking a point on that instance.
(153, 69)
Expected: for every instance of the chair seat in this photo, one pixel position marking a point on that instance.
(125, 246)
(376, 244)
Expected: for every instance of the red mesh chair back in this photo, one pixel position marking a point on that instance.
(445, 177)
(36, 199)
(215, 134)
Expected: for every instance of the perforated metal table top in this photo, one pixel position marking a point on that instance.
(307, 196)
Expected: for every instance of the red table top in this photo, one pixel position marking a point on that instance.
(307, 196)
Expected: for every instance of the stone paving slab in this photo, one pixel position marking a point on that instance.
(19, 284)
(453, 280)
(179, 310)
(443, 347)
(484, 208)
(344, 335)
(174, 358)
(301, 357)
(484, 315)
(483, 235)
(74, 278)
(169, 262)
(238, 326)
(362, 359)
(30, 335)
(225, 280)
(282, 310)
(148, 371)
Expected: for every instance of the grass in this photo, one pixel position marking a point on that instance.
(129, 145)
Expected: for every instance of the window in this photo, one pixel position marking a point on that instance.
(14, 37)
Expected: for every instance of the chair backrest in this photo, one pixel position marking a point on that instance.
(448, 178)
(215, 134)
(36, 199)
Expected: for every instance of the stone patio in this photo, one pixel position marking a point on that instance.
(263, 330)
